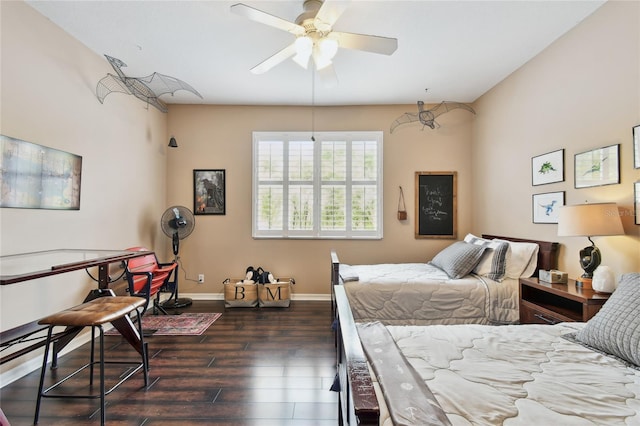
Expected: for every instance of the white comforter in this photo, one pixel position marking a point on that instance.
(421, 294)
(520, 375)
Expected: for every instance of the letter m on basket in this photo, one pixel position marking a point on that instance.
(275, 295)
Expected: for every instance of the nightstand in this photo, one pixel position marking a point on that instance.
(546, 303)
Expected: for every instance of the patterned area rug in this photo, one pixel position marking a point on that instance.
(175, 325)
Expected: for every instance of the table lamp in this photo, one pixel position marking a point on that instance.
(589, 220)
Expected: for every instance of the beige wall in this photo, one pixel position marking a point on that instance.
(48, 97)
(220, 137)
(581, 93)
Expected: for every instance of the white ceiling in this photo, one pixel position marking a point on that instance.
(456, 49)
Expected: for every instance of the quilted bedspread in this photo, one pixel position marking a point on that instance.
(518, 375)
(421, 294)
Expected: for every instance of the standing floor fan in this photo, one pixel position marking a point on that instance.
(177, 223)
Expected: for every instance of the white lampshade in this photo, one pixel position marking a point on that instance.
(589, 220)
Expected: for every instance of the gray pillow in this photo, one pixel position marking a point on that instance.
(459, 259)
(493, 264)
(615, 329)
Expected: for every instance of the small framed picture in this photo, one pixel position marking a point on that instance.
(636, 146)
(209, 192)
(598, 167)
(546, 206)
(547, 168)
(636, 202)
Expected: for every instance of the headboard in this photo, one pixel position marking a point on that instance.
(547, 254)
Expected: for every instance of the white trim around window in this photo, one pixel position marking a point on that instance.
(320, 185)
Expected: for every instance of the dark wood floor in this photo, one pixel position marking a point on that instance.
(253, 366)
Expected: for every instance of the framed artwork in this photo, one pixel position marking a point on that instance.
(598, 167)
(436, 205)
(38, 177)
(636, 146)
(546, 206)
(636, 202)
(547, 168)
(209, 192)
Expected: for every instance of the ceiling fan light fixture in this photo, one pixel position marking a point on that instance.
(328, 47)
(321, 60)
(315, 36)
(304, 46)
(302, 60)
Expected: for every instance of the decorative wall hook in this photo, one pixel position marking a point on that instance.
(428, 117)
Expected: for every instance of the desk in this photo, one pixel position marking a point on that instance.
(29, 266)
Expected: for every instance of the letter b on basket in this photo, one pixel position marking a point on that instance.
(239, 294)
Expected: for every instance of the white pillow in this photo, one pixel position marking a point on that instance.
(493, 262)
(522, 259)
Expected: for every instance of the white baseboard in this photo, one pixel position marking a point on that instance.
(35, 362)
(220, 296)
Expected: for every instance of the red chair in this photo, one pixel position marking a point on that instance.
(147, 277)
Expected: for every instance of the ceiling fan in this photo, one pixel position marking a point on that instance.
(315, 38)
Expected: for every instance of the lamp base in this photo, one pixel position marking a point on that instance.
(583, 282)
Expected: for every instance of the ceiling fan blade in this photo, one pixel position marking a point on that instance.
(328, 76)
(267, 19)
(274, 60)
(368, 43)
(329, 13)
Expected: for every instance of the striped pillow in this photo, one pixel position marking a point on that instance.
(493, 263)
(459, 259)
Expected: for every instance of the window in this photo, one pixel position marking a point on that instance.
(329, 187)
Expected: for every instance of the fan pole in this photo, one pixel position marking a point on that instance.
(175, 302)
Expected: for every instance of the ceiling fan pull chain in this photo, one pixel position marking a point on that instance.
(313, 104)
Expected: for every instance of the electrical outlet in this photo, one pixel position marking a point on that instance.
(201, 278)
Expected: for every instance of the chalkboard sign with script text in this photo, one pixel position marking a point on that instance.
(436, 205)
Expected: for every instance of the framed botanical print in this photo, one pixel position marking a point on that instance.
(598, 167)
(209, 192)
(547, 168)
(546, 206)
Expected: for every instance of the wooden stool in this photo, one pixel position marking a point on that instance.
(94, 314)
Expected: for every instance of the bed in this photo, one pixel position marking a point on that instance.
(474, 281)
(567, 373)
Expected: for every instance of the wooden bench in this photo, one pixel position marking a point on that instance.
(32, 335)
(147, 277)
